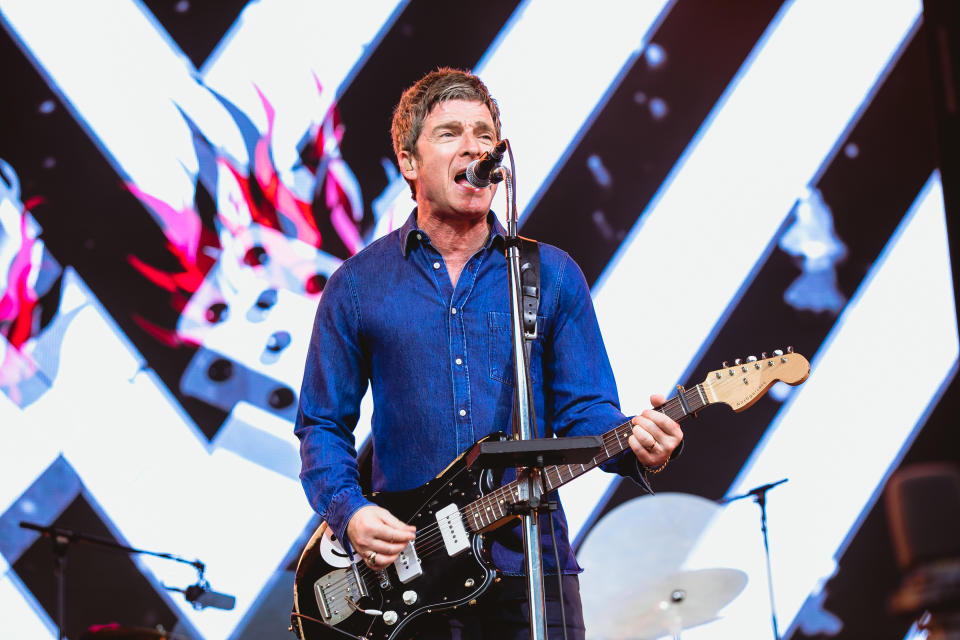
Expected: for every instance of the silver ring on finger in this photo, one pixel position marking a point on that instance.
(652, 447)
(372, 557)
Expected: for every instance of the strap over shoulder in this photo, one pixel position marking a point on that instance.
(530, 285)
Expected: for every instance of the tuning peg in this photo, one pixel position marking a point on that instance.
(752, 359)
(789, 349)
(723, 365)
(777, 352)
(737, 361)
(763, 355)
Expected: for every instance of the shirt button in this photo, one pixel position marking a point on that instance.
(458, 361)
(419, 237)
(463, 412)
(453, 310)
(436, 265)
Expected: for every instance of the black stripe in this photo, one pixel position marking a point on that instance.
(421, 39)
(869, 195)
(197, 27)
(705, 44)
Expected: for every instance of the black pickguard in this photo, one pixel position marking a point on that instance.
(447, 582)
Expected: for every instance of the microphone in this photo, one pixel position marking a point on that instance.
(760, 493)
(200, 596)
(478, 171)
(756, 491)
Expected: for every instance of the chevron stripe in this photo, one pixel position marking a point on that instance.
(746, 196)
(839, 435)
(778, 127)
(633, 139)
(140, 129)
(546, 88)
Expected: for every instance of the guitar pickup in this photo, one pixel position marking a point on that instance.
(407, 564)
(454, 534)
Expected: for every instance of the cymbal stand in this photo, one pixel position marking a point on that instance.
(759, 495)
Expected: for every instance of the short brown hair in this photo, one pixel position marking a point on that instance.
(417, 102)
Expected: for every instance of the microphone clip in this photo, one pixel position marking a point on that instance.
(485, 170)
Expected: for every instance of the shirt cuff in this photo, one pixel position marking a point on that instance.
(341, 509)
(627, 465)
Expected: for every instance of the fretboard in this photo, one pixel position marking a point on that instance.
(495, 506)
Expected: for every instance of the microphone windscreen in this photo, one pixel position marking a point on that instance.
(216, 600)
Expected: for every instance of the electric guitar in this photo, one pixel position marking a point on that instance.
(447, 566)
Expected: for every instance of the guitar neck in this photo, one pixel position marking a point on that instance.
(494, 507)
(615, 441)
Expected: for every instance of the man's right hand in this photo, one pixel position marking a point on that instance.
(377, 536)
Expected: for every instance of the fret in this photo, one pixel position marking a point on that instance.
(491, 508)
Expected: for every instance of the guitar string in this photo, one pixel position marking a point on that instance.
(426, 542)
(553, 473)
(426, 545)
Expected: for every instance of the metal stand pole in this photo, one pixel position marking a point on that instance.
(60, 545)
(523, 420)
(760, 497)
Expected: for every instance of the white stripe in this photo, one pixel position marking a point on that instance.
(708, 227)
(548, 69)
(881, 369)
(123, 77)
(279, 46)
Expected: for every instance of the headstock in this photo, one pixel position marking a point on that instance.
(743, 383)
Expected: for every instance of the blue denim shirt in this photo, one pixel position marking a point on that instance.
(439, 360)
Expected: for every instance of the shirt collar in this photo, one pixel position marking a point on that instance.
(411, 234)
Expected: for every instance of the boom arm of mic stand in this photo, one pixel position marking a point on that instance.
(58, 533)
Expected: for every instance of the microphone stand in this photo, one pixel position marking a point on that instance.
(760, 497)
(523, 415)
(62, 538)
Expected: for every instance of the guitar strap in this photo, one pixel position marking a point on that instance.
(530, 295)
(530, 288)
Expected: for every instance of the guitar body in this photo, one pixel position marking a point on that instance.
(446, 579)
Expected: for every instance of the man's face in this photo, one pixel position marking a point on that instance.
(454, 134)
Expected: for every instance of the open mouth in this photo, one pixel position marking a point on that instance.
(461, 179)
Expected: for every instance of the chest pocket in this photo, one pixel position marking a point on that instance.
(500, 349)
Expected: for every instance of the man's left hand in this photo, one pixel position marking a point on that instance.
(655, 436)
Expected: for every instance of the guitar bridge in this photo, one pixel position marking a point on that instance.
(335, 592)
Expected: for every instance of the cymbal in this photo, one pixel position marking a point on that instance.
(637, 549)
(648, 536)
(679, 601)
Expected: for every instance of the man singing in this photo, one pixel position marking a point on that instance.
(423, 314)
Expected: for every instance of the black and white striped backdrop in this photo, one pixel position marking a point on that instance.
(179, 178)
